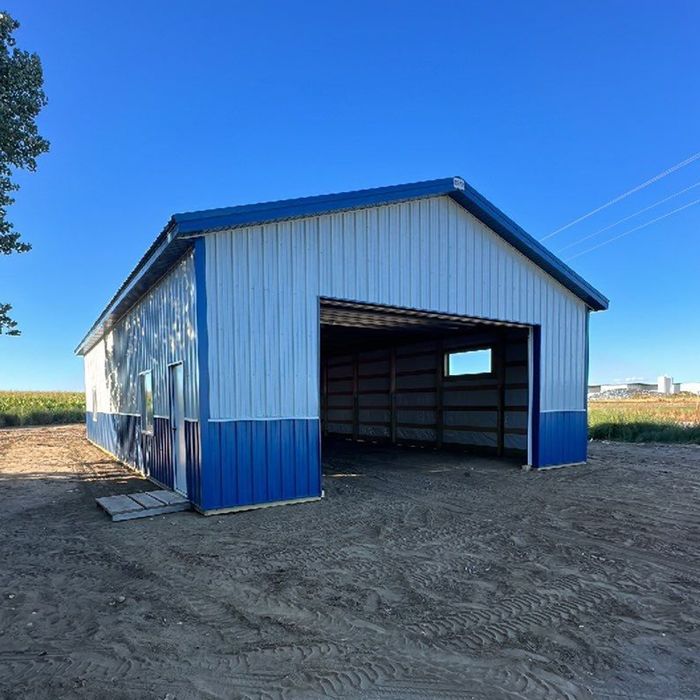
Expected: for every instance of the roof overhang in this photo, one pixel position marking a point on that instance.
(505, 227)
(175, 239)
(166, 250)
(454, 187)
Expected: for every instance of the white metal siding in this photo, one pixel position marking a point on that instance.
(158, 330)
(263, 284)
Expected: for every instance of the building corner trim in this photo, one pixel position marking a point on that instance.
(200, 273)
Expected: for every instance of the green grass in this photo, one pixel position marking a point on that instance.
(672, 419)
(41, 407)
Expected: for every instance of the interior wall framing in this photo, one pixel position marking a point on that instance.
(399, 393)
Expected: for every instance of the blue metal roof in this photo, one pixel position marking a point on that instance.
(455, 187)
(174, 239)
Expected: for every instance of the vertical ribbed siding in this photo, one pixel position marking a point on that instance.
(119, 435)
(149, 453)
(194, 464)
(263, 286)
(158, 449)
(252, 462)
(159, 330)
(563, 438)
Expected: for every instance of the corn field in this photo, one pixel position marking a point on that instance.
(41, 407)
(649, 419)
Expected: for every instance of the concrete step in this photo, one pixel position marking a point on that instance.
(143, 505)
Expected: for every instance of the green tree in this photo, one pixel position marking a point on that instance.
(21, 99)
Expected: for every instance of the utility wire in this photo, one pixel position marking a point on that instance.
(619, 198)
(627, 218)
(636, 228)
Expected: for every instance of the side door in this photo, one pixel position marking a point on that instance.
(177, 426)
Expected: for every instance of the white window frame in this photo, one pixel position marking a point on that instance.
(94, 404)
(146, 426)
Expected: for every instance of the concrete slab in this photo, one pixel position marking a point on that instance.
(167, 497)
(146, 500)
(118, 504)
(143, 505)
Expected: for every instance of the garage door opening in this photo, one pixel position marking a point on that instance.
(410, 378)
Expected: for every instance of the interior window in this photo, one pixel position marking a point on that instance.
(146, 402)
(465, 362)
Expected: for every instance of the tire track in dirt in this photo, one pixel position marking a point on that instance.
(404, 583)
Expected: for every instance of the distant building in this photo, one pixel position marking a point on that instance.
(664, 385)
(630, 386)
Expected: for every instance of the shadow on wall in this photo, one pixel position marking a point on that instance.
(642, 431)
(123, 394)
(154, 333)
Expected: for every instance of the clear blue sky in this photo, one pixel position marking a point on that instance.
(549, 109)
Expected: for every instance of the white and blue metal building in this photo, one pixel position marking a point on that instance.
(247, 335)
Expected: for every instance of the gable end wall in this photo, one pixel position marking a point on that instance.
(263, 284)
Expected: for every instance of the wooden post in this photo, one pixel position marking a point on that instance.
(501, 373)
(439, 380)
(324, 389)
(392, 394)
(355, 396)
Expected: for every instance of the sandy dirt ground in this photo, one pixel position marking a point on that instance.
(420, 575)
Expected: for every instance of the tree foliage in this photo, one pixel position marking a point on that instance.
(21, 99)
(7, 325)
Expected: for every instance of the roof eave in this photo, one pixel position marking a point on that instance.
(167, 248)
(454, 187)
(172, 241)
(268, 212)
(495, 219)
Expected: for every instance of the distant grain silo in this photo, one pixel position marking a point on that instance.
(416, 314)
(665, 384)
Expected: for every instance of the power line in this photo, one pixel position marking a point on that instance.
(636, 228)
(627, 218)
(619, 198)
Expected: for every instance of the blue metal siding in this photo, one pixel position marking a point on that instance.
(209, 484)
(160, 329)
(255, 462)
(536, 337)
(193, 453)
(251, 346)
(249, 462)
(264, 283)
(118, 434)
(158, 453)
(435, 246)
(563, 438)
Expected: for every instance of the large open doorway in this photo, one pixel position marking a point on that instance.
(412, 378)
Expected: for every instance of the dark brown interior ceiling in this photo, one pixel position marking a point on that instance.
(353, 326)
